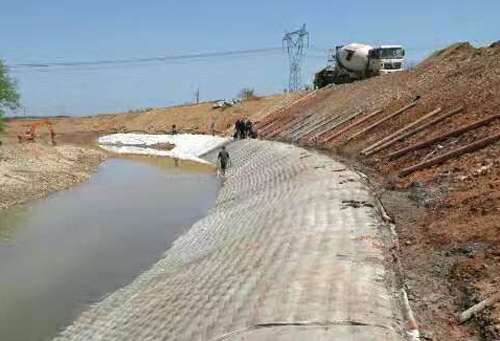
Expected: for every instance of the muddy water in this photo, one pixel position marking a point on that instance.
(60, 254)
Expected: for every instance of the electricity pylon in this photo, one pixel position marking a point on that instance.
(295, 43)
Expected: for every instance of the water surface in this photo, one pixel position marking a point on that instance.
(62, 253)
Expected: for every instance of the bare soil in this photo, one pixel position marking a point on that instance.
(33, 170)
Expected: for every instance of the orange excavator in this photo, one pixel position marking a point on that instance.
(29, 134)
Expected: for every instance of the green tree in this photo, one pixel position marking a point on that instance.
(9, 97)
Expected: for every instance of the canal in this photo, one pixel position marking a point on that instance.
(60, 254)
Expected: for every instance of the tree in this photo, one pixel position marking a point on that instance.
(246, 93)
(9, 97)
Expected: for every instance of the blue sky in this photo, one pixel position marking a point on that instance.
(50, 31)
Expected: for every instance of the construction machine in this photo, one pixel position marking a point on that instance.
(29, 134)
(352, 62)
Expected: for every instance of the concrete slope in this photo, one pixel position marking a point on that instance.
(290, 252)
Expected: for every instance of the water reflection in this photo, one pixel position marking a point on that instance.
(169, 163)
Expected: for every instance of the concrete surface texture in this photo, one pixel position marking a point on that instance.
(290, 252)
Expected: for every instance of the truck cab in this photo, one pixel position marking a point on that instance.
(386, 59)
(354, 62)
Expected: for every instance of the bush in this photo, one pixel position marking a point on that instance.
(9, 97)
(246, 93)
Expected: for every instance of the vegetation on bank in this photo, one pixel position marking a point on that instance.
(9, 97)
(246, 93)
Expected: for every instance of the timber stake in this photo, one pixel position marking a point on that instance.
(354, 124)
(374, 125)
(422, 127)
(433, 140)
(454, 153)
(466, 315)
(374, 147)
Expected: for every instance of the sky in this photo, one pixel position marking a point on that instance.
(33, 31)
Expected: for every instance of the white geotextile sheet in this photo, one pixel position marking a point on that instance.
(187, 146)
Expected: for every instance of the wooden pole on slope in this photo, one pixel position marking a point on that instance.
(352, 125)
(454, 153)
(376, 124)
(372, 149)
(445, 136)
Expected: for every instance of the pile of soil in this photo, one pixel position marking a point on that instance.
(451, 248)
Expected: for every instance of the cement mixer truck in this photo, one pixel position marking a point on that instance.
(354, 62)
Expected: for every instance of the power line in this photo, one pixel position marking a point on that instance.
(45, 65)
(106, 67)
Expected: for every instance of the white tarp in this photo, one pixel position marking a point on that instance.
(187, 146)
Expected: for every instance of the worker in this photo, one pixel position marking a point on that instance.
(52, 136)
(237, 129)
(249, 128)
(174, 130)
(244, 129)
(224, 160)
(212, 128)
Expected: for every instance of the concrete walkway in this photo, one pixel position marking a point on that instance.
(290, 252)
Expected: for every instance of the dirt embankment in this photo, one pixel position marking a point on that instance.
(33, 170)
(197, 118)
(450, 229)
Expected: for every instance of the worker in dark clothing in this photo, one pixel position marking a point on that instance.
(237, 128)
(224, 159)
(174, 130)
(249, 128)
(244, 129)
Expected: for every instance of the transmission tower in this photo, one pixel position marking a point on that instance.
(295, 43)
(197, 96)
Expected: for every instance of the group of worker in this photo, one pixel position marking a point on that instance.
(244, 129)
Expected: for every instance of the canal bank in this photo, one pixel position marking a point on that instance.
(293, 250)
(34, 170)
